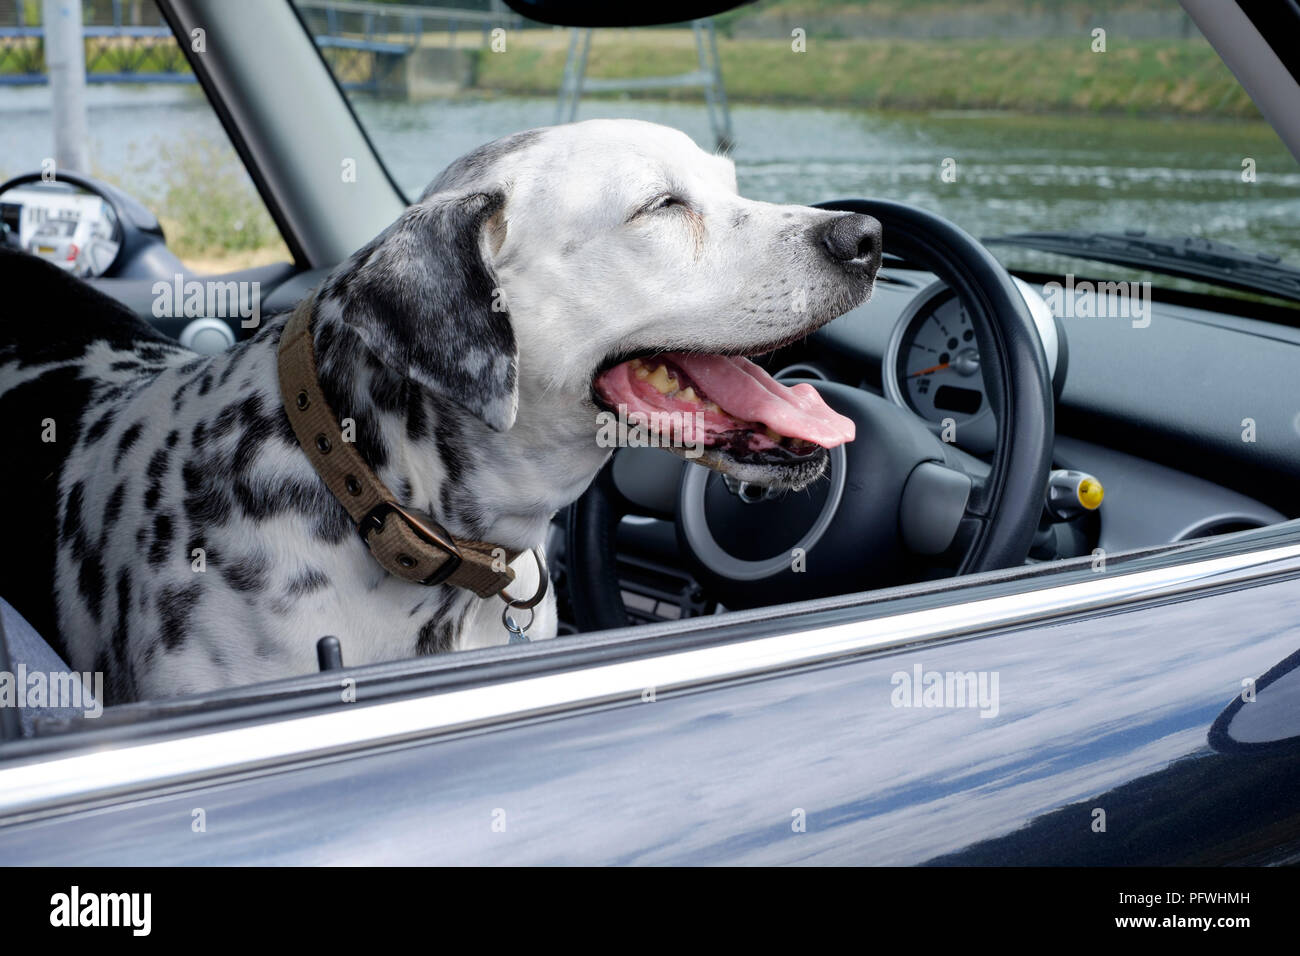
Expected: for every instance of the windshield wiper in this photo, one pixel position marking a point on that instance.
(1185, 256)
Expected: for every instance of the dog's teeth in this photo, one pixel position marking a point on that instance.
(775, 436)
(661, 381)
(688, 395)
(640, 371)
(712, 407)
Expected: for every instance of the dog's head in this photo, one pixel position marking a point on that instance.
(611, 265)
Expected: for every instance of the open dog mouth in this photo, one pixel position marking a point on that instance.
(738, 419)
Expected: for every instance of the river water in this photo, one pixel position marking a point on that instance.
(1013, 172)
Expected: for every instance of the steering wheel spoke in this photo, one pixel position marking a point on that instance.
(646, 481)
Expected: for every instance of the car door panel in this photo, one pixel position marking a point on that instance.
(832, 763)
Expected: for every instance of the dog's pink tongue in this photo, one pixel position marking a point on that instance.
(745, 391)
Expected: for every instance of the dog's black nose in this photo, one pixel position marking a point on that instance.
(854, 240)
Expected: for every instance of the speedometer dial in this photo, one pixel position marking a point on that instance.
(932, 364)
(932, 368)
(939, 364)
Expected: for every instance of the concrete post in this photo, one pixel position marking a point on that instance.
(65, 61)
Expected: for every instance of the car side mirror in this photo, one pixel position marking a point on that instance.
(84, 226)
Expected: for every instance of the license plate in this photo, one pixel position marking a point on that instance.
(44, 249)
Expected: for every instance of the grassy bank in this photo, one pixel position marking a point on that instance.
(1159, 77)
(213, 217)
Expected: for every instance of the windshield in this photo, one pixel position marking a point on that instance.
(1005, 116)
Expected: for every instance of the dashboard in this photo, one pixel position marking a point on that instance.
(1126, 396)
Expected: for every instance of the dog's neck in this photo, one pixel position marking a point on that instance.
(502, 487)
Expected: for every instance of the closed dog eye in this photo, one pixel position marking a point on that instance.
(660, 202)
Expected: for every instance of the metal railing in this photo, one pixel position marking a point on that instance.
(128, 42)
(707, 77)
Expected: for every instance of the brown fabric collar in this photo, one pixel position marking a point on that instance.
(408, 544)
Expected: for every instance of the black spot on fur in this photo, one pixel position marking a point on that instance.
(156, 470)
(154, 353)
(236, 413)
(72, 526)
(470, 516)
(120, 681)
(417, 417)
(113, 509)
(208, 500)
(90, 583)
(162, 539)
(176, 604)
(387, 391)
(96, 431)
(125, 442)
(104, 666)
(436, 636)
(247, 574)
(232, 358)
(450, 444)
(310, 580)
(157, 467)
(370, 440)
(257, 429)
(333, 525)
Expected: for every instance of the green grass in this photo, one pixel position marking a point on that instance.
(1169, 77)
(208, 207)
(207, 203)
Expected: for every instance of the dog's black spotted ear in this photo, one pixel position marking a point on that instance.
(424, 298)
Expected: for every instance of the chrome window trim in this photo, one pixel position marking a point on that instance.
(40, 785)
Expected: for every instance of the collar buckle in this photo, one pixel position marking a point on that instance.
(425, 528)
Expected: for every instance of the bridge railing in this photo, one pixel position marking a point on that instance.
(127, 41)
(396, 23)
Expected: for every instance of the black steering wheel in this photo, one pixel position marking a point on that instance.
(898, 504)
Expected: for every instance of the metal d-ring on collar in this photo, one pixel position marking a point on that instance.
(528, 604)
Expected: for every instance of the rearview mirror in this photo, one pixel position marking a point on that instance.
(629, 13)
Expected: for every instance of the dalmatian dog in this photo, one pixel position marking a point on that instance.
(167, 528)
